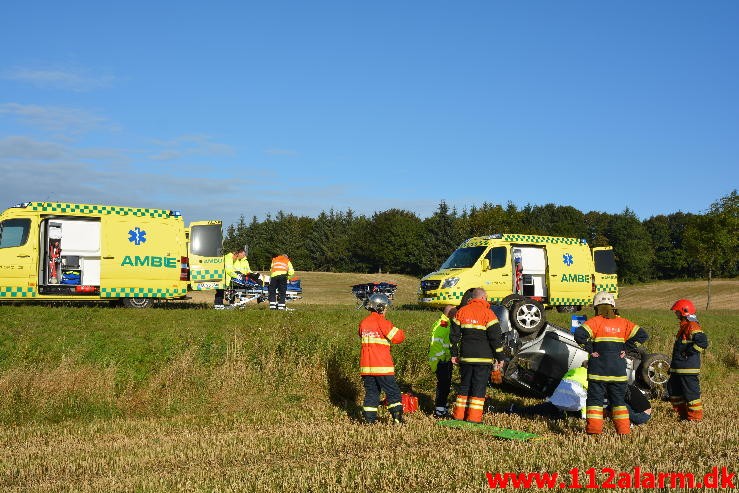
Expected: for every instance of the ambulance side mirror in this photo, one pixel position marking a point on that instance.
(485, 264)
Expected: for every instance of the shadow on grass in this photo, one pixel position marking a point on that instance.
(342, 391)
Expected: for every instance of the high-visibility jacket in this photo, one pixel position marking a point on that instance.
(690, 342)
(281, 265)
(475, 334)
(232, 266)
(579, 375)
(377, 333)
(439, 349)
(608, 337)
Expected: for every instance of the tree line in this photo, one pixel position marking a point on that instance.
(675, 246)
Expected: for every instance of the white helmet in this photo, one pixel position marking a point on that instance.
(378, 302)
(604, 298)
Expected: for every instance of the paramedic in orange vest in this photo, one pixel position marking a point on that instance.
(685, 367)
(476, 341)
(607, 337)
(279, 272)
(375, 362)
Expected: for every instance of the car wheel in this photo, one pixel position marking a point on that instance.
(137, 302)
(655, 370)
(528, 316)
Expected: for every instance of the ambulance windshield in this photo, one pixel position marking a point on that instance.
(463, 258)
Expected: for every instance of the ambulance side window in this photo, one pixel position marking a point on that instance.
(14, 232)
(497, 257)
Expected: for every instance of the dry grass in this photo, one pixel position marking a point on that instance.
(258, 401)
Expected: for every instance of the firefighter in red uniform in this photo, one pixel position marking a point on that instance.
(685, 367)
(476, 341)
(606, 337)
(375, 362)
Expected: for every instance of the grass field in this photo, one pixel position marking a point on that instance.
(185, 398)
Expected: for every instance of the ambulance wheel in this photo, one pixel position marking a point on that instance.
(528, 316)
(655, 370)
(137, 302)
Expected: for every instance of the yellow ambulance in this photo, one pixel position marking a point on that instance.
(80, 252)
(527, 273)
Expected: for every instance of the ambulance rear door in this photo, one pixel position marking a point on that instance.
(205, 251)
(606, 277)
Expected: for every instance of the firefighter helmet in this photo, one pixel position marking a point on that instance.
(378, 302)
(685, 307)
(604, 298)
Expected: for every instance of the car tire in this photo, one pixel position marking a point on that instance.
(654, 370)
(528, 316)
(137, 302)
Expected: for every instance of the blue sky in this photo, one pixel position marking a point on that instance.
(227, 108)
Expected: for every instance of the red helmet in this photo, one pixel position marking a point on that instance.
(685, 307)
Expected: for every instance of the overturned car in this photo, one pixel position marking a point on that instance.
(540, 359)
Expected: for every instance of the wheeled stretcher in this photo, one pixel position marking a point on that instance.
(254, 287)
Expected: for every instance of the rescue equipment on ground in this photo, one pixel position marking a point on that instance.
(363, 291)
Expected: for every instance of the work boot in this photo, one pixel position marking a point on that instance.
(441, 412)
(397, 414)
(219, 307)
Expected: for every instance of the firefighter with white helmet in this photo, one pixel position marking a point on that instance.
(607, 337)
(690, 342)
(376, 365)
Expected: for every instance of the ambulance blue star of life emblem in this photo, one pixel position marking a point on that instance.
(137, 236)
(567, 259)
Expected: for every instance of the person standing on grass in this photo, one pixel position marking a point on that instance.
(685, 367)
(376, 363)
(606, 337)
(280, 271)
(440, 360)
(476, 341)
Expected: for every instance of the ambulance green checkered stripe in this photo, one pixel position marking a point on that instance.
(206, 274)
(17, 292)
(543, 239)
(141, 293)
(569, 301)
(97, 209)
(606, 287)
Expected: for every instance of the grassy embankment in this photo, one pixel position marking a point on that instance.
(98, 399)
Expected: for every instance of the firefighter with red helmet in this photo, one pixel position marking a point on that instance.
(606, 337)
(476, 342)
(376, 363)
(685, 367)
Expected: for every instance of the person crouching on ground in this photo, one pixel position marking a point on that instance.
(376, 363)
(606, 337)
(440, 360)
(684, 385)
(476, 342)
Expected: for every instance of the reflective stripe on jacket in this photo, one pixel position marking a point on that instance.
(281, 265)
(439, 349)
(475, 334)
(608, 337)
(377, 333)
(690, 342)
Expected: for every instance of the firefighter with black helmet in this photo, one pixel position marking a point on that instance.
(607, 337)
(376, 366)
(685, 367)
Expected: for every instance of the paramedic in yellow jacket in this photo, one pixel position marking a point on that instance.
(440, 360)
(235, 266)
(280, 271)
